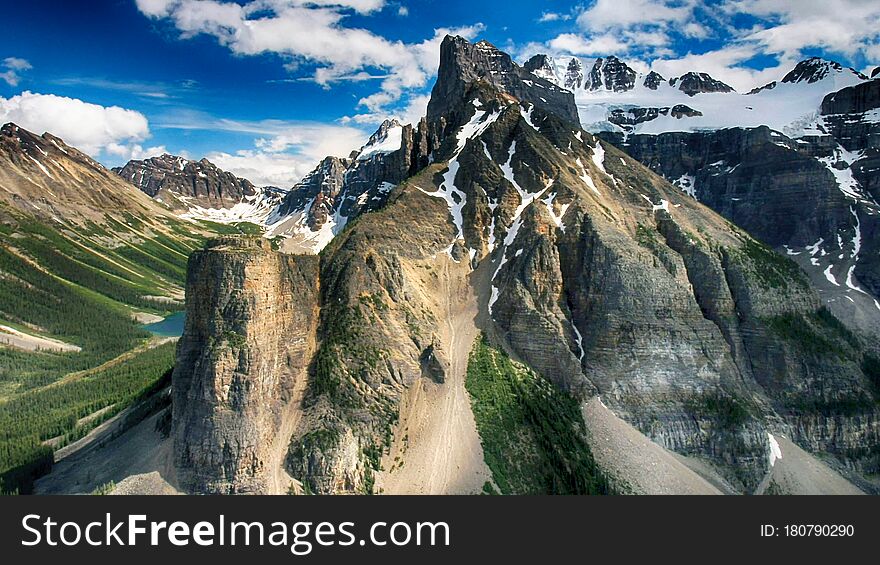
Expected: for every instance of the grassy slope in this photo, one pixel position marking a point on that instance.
(81, 284)
(533, 434)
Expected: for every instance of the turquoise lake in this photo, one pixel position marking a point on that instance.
(172, 326)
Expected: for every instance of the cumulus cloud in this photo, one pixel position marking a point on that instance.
(618, 14)
(314, 32)
(135, 151)
(13, 67)
(89, 127)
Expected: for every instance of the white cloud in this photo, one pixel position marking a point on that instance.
(88, 127)
(726, 65)
(264, 169)
(135, 151)
(311, 31)
(553, 17)
(575, 44)
(606, 14)
(13, 67)
(283, 151)
(16, 64)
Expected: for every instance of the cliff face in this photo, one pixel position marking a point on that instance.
(580, 262)
(463, 63)
(813, 197)
(249, 336)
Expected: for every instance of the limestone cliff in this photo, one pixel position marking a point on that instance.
(248, 339)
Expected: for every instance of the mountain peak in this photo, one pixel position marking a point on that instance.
(694, 83)
(201, 180)
(815, 69)
(463, 65)
(387, 139)
(612, 74)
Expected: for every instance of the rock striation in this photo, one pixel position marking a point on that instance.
(586, 265)
(169, 177)
(248, 339)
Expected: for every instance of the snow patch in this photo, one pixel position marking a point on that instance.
(775, 451)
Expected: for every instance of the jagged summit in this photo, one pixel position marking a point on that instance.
(386, 139)
(612, 74)
(463, 64)
(653, 80)
(178, 181)
(693, 83)
(541, 66)
(815, 69)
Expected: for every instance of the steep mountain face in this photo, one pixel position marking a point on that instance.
(180, 182)
(241, 367)
(562, 250)
(794, 162)
(463, 63)
(812, 196)
(339, 189)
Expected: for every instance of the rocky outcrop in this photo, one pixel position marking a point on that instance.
(699, 83)
(248, 339)
(612, 74)
(815, 69)
(201, 182)
(463, 63)
(653, 80)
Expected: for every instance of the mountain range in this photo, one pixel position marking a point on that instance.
(566, 278)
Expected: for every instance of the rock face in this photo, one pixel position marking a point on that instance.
(339, 189)
(249, 336)
(593, 270)
(697, 83)
(43, 176)
(611, 74)
(463, 64)
(815, 69)
(169, 177)
(653, 80)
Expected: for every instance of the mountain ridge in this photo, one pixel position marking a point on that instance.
(566, 253)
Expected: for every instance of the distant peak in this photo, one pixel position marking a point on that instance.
(653, 80)
(815, 69)
(694, 83)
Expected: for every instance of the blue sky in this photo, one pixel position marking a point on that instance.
(267, 87)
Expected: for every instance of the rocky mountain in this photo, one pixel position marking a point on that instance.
(43, 176)
(611, 96)
(793, 162)
(810, 193)
(698, 83)
(357, 371)
(181, 182)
